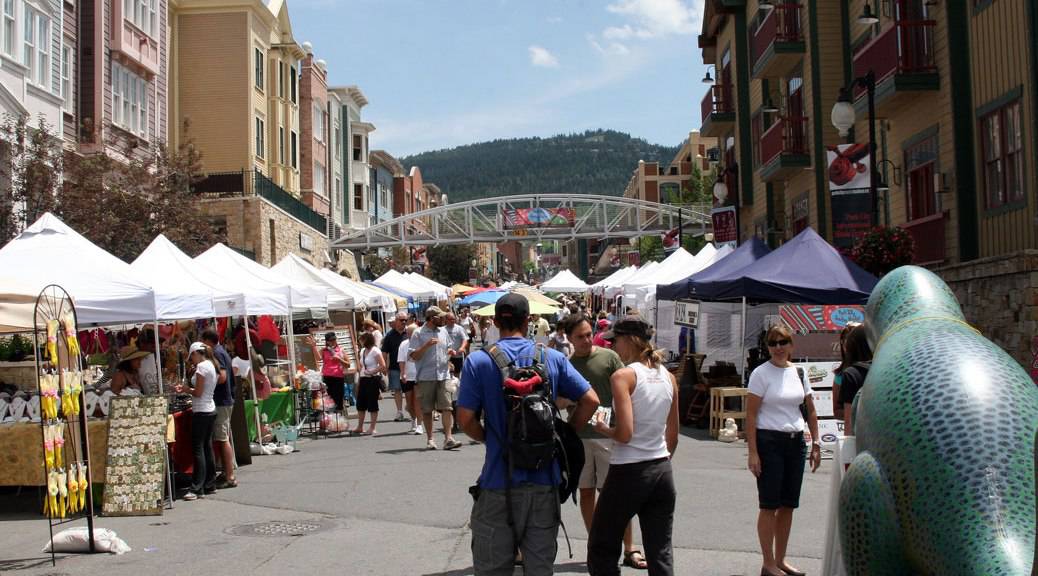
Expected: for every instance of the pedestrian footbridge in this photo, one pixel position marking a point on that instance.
(532, 217)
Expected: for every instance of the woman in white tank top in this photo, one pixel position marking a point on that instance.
(645, 433)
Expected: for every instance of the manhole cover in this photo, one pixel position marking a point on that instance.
(281, 528)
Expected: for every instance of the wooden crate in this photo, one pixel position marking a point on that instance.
(718, 414)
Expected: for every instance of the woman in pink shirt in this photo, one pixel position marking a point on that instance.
(334, 367)
(603, 326)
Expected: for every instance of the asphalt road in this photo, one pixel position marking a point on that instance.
(384, 505)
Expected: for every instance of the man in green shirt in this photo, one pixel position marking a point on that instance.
(596, 364)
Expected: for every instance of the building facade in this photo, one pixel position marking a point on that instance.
(954, 118)
(384, 170)
(355, 167)
(317, 134)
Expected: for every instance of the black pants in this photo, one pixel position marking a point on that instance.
(202, 447)
(336, 387)
(782, 456)
(645, 489)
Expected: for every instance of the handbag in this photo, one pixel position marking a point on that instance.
(803, 405)
(383, 383)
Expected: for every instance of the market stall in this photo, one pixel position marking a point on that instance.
(404, 285)
(564, 282)
(443, 293)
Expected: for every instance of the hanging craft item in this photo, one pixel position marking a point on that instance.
(73, 489)
(49, 396)
(70, 394)
(84, 486)
(62, 492)
(50, 503)
(52, 341)
(71, 340)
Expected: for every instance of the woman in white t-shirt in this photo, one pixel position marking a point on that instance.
(775, 434)
(203, 416)
(408, 380)
(372, 367)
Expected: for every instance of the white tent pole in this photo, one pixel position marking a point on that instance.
(252, 381)
(158, 369)
(291, 350)
(742, 343)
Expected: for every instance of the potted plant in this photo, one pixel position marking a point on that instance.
(883, 249)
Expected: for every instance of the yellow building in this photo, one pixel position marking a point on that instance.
(234, 86)
(954, 113)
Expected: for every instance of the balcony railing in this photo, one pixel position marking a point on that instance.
(928, 233)
(781, 25)
(254, 183)
(787, 136)
(718, 100)
(904, 48)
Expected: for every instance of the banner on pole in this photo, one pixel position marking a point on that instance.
(726, 226)
(518, 218)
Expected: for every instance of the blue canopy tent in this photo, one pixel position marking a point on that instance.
(742, 257)
(805, 270)
(485, 297)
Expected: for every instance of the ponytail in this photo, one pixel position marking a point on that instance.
(649, 355)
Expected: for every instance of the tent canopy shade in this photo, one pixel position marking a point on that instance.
(805, 270)
(104, 289)
(402, 284)
(746, 254)
(296, 270)
(172, 272)
(564, 281)
(442, 292)
(302, 298)
(371, 296)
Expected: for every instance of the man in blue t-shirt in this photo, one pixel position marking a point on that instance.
(223, 397)
(535, 513)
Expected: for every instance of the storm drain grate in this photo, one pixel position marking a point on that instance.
(282, 528)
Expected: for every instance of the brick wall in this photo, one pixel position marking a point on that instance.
(999, 296)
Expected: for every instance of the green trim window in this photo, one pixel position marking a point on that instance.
(259, 138)
(1002, 146)
(920, 167)
(260, 81)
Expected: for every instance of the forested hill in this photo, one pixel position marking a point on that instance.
(595, 162)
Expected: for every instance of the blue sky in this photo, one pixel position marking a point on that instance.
(442, 73)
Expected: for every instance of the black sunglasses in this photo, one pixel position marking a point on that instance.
(777, 342)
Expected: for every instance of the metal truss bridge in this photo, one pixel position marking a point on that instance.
(531, 217)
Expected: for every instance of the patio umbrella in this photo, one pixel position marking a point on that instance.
(534, 296)
(535, 308)
(486, 297)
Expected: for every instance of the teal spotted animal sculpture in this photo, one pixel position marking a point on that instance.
(944, 479)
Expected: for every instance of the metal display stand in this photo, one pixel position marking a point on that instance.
(57, 376)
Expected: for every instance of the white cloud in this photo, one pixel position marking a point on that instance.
(542, 57)
(655, 18)
(609, 49)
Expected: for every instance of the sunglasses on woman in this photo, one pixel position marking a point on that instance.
(774, 343)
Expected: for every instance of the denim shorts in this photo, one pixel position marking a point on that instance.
(394, 381)
(782, 458)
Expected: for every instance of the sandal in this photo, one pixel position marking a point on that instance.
(638, 562)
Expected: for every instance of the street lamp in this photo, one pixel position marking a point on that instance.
(843, 119)
(766, 5)
(868, 17)
(708, 79)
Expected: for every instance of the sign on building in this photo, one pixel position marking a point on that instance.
(726, 226)
(513, 218)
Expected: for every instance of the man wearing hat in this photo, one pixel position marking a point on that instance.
(534, 516)
(431, 352)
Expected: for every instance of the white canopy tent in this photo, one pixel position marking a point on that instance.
(442, 292)
(160, 266)
(564, 282)
(363, 294)
(680, 259)
(18, 306)
(302, 298)
(618, 276)
(299, 271)
(401, 283)
(104, 288)
(668, 333)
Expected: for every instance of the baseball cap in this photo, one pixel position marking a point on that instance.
(629, 326)
(434, 312)
(330, 336)
(603, 323)
(512, 305)
(196, 347)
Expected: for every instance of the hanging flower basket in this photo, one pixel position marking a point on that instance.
(883, 249)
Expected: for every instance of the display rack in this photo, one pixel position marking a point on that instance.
(63, 422)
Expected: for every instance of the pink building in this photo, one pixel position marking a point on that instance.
(122, 75)
(316, 139)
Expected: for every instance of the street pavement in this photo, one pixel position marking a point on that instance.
(384, 505)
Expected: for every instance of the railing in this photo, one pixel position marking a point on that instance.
(787, 136)
(904, 48)
(717, 101)
(254, 183)
(928, 233)
(781, 25)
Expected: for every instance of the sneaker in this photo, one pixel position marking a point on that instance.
(436, 416)
(431, 445)
(419, 430)
(451, 444)
(190, 496)
(399, 417)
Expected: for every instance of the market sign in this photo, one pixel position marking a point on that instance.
(517, 218)
(804, 318)
(726, 227)
(686, 313)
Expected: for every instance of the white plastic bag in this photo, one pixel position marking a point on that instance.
(78, 540)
